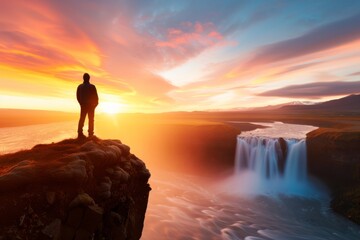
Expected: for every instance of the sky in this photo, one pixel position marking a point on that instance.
(158, 56)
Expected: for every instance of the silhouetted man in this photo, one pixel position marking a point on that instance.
(88, 99)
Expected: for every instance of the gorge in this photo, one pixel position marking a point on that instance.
(254, 201)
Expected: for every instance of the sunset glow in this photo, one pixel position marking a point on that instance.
(111, 108)
(144, 56)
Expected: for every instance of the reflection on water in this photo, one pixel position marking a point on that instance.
(185, 207)
(18, 138)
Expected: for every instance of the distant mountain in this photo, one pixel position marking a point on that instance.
(264, 108)
(349, 103)
(278, 106)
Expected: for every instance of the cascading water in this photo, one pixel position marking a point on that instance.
(272, 165)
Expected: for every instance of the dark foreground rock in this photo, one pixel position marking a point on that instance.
(334, 157)
(74, 189)
(347, 203)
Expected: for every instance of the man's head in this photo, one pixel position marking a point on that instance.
(86, 77)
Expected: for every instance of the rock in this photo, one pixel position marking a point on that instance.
(75, 217)
(116, 223)
(82, 234)
(53, 229)
(50, 197)
(74, 171)
(125, 149)
(92, 218)
(116, 150)
(83, 199)
(115, 219)
(67, 232)
(347, 203)
(127, 166)
(333, 157)
(21, 220)
(30, 210)
(73, 186)
(281, 148)
(110, 171)
(104, 190)
(120, 175)
(88, 146)
(137, 163)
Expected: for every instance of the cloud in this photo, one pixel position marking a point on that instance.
(60, 41)
(354, 74)
(155, 19)
(128, 55)
(45, 46)
(319, 39)
(29, 52)
(333, 45)
(41, 40)
(246, 19)
(187, 41)
(165, 100)
(298, 67)
(195, 34)
(315, 90)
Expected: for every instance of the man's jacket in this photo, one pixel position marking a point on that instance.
(86, 95)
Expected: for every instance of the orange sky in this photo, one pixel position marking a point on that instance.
(180, 55)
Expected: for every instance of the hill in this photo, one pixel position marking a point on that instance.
(349, 103)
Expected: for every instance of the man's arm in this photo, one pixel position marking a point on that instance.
(96, 96)
(78, 94)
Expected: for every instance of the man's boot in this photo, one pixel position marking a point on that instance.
(81, 135)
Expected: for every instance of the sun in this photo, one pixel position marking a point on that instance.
(110, 107)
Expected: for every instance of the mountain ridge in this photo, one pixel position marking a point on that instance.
(350, 103)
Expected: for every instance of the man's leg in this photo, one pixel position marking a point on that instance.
(91, 113)
(83, 113)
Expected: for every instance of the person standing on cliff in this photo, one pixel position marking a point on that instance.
(88, 99)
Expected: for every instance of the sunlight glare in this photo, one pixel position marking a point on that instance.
(110, 107)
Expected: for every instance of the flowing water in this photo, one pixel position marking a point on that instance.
(261, 161)
(269, 196)
(271, 165)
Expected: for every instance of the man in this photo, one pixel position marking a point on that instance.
(87, 97)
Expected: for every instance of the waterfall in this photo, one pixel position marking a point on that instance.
(271, 165)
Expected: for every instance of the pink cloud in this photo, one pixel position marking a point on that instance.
(194, 34)
(187, 41)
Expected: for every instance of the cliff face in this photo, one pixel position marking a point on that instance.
(334, 157)
(74, 189)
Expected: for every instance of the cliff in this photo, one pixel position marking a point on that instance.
(73, 189)
(334, 157)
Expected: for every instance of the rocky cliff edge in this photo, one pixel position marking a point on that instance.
(73, 189)
(334, 157)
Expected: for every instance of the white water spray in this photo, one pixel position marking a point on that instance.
(272, 165)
